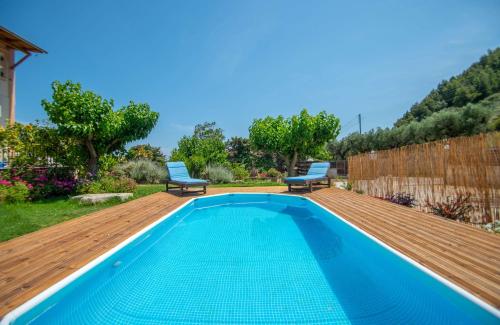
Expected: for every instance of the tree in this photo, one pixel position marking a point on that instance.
(91, 120)
(480, 80)
(296, 137)
(146, 151)
(205, 146)
(239, 151)
(38, 145)
(451, 122)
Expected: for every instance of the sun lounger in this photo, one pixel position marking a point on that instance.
(318, 172)
(179, 175)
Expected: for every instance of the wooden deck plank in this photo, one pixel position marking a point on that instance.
(373, 216)
(464, 255)
(447, 265)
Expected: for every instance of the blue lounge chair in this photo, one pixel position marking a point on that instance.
(318, 172)
(179, 175)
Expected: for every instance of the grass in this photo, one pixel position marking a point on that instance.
(22, 218)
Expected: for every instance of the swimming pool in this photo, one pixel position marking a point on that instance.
(252, 258)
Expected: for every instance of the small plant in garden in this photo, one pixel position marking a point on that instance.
(347, 186)
(142, 171)
(493, 227)
(402, 199)
(455, 208)
(218, 174)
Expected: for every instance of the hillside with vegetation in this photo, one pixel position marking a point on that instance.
(480, 80)
(466, 104)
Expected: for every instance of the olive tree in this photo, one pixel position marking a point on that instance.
(91, 120)
(294, 137)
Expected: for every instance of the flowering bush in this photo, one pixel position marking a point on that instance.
(402, 199)
(41, 182)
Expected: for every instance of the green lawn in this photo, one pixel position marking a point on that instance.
(23, 218)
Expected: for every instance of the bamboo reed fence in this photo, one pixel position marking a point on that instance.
(436, 171)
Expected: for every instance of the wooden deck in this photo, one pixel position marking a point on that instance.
(466, 256)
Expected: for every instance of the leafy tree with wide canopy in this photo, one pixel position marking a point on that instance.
(90, 119)
(295, 137)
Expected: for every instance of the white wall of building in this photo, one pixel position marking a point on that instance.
(5, 81)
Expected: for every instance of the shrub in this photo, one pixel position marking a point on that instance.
(107, 163)
(455, 208)
(240, 172)
(142, 171)
(402, 199)
(118, 185)
(107, 185)
(273, 172)
(89, 187)
(218, 174)
(46, 182)
(13, 192)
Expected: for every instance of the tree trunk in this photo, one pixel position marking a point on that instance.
(290, 164)
(93, 158)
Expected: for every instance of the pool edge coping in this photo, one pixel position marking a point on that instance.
(14, 314)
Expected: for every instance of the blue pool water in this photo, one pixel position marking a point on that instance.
(255, 259)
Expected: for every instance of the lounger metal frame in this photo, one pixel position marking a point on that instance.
(185, 186)
(308, 183)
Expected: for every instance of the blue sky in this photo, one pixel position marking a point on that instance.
(233, 61)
